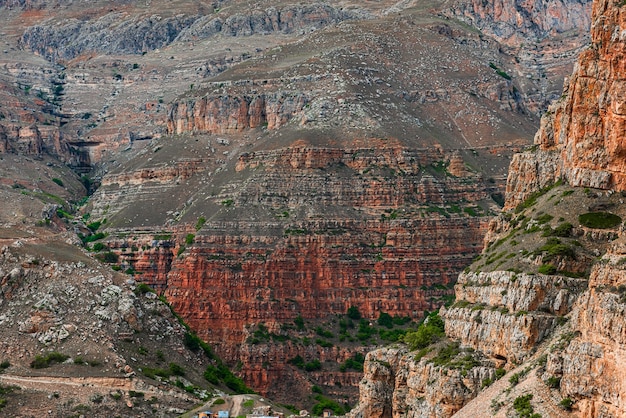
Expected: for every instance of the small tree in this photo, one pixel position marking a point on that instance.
(353, 312)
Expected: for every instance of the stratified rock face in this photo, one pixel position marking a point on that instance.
(504, 314)
(581, 138)
(591, 366)
(518, 20)
(308, 231)
(396, 385)
(226, 114)
(120, 33)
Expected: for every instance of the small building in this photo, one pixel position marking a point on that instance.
(223, 414)
(206, 414)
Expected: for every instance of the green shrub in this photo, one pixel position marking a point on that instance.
(176, 369)
(325, 403)
(189, 239)
(313, 365)
(554, 382)
(297, 361)
(599, 220)
(58, 181)
(446, 354)
(353, 312)
(545, 218)
(109, 257)
(142, 289)
(200, 223)
(218, 401)
(385, 320)
(354, 363)
(429, 332)
(548, 269)
(566, 404)
(522, 406)
(299, 322)
(323, 332)
(563, 230)
(553, 247)
(94, 226)
(500, 372)
(41, 362)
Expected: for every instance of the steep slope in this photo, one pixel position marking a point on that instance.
(544, 299)
(79, 338)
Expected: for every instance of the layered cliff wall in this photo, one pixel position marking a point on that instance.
(545, 298)
(307, 232)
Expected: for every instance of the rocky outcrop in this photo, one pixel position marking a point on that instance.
(225, 114)
(396, 384)
(518, 21)
(121, 33)
(589, 360)
(55, 298)
(580, 139)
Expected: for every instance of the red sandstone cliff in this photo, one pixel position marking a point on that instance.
(581, 138)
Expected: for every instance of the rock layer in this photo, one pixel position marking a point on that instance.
(580, 139)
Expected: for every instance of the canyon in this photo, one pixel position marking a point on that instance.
(269, 168)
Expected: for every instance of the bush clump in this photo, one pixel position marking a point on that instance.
(599, 220)
(548, 269)
(429, 332)
(41, 362)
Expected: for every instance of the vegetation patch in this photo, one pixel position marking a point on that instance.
(523, 407)
(532, 198)
(429, 332)
(451, 356)
(548, 269)
(554, 247)
(354, 363)
(326, 403)
(41, 362)
(599, 220)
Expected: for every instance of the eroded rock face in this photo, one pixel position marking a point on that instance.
(514, 20)
(226, 114)
(396, 385)
(581, 137)
(119, 33)
(293, 240)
